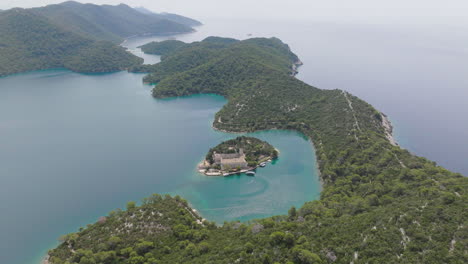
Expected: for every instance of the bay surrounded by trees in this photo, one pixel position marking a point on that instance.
(129, 146)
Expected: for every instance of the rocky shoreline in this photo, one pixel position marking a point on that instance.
(295, 67)
(387, 125)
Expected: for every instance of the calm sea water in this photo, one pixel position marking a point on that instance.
(415, 73)
(74, 147)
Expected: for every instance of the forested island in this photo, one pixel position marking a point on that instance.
(238, 155)
(79, 37)
(162, 48)
(379, 203)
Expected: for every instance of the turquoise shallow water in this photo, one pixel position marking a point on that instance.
(74, 147)
(274, 189)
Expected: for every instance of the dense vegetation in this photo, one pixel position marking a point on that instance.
(379, 204)
(101, 56)
(79, 37)
(162, 48)
(31, 42)
(255, 150)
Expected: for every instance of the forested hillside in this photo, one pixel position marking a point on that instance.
(379, 203)
(162, 48)
(31, 42)
(79, 37)
(187, 57)
(106, 22)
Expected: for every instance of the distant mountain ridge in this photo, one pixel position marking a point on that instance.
(169, 16)
(107, 22)
(181, 19)
(79, 37)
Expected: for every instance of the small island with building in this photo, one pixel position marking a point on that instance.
(240, 155)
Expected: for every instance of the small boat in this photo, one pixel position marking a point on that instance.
(250, 173)
(263, 164)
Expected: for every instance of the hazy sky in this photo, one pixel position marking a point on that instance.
(436, 11)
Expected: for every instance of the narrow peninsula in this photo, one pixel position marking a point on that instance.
(240, 155)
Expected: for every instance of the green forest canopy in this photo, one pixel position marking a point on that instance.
(111, 23)
(79, 37)
(30, 42)
(162, 48)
